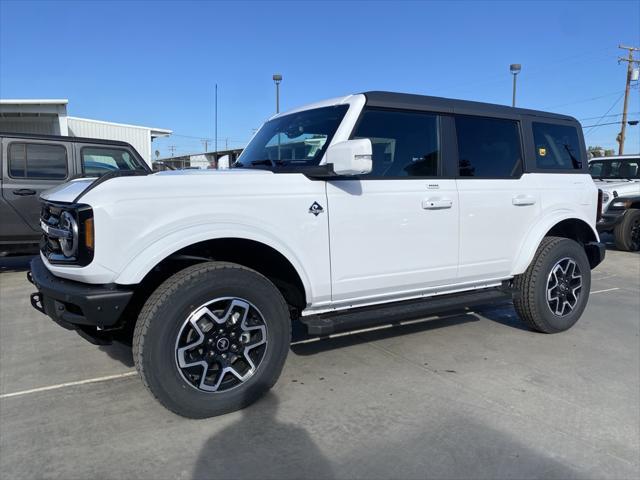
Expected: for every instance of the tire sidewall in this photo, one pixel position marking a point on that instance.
(158, 349)
(630, 218)
(573, 250)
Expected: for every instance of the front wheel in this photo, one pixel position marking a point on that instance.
(627, 232)
(553, 292)
(212, 339)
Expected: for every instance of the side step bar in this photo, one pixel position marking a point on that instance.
(334, 322)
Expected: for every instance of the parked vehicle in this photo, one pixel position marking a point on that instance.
(622, 218)
(160, 166)
(31, 164)
(340, 214)
(615, 176)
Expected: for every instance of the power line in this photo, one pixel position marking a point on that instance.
(587, 99)
(603, 124)
(612, 115)
(607, 112)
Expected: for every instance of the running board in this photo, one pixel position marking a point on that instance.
(334, 322)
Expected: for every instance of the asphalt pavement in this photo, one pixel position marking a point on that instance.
(474, 395)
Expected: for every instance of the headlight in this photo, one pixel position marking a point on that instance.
(69, 244)
(69, 236)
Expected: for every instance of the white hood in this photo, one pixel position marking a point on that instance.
(67, 192)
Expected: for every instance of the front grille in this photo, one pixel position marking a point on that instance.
(50, 216)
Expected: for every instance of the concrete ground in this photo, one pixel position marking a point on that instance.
(466, 396)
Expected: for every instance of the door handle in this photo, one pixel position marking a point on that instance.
(522, 200)
(24, 192)
(436, 203)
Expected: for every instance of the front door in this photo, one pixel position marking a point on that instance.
(394, 233)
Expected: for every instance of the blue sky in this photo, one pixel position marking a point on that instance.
(155, 63)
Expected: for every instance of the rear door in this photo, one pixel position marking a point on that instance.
(498, 203)
(29, 168)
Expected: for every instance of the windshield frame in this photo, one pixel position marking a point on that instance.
(291, 164)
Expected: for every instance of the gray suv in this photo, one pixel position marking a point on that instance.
(30, 164)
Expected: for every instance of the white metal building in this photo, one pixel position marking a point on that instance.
(50, 117)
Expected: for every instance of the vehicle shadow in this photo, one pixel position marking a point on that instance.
(259, 445)
(500, 313)
(17, 263)
(119, 351)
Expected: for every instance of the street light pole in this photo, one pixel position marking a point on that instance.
(277, 78)
(515, 70)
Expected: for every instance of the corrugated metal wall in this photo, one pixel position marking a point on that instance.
(140, 138)
(32, 124)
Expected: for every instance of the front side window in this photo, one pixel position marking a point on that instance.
(488, 147)
(97, 161)
(557, 146)
(404, 144)
(616, 169)
(37, 161)
(296, 139)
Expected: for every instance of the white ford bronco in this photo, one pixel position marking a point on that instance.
(351, 211)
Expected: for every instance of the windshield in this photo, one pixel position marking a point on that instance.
(297, 139)
(604, 169)
(98, 161)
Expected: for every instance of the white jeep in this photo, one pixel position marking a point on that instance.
(351, 211)
(616, 176)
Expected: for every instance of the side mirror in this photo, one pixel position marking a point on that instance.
(352, 157)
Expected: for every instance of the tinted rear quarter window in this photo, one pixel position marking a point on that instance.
(557, 147)
(404, 144)
(488, 147)
(38, 161)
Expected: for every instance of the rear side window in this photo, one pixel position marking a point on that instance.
(97, 161)
(405, 144)
(37, 161)
(488, 147)
(557, 146)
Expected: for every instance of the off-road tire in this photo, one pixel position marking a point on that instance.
(627, 231)
(530, 298)
(164, 313)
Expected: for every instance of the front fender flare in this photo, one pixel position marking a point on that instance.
(153, 254)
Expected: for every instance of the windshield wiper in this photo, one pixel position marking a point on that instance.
(268, 161)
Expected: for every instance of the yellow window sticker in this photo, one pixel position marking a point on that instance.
(542, 151)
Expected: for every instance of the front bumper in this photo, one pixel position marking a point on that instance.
(609, 220)
(75, 305)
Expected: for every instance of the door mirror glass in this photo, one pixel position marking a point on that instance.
(352, 157)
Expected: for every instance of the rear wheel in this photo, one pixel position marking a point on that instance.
(627, 232)
(553, 292)
(212, 339)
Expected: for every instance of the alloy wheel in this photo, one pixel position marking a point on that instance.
(221, 344)
(564, 286)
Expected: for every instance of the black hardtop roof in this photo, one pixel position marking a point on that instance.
(440, 104)
(63, 138)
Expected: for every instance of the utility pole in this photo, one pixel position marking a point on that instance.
(172, 149)
(216, 119)
(205, 141)
(630, 62)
